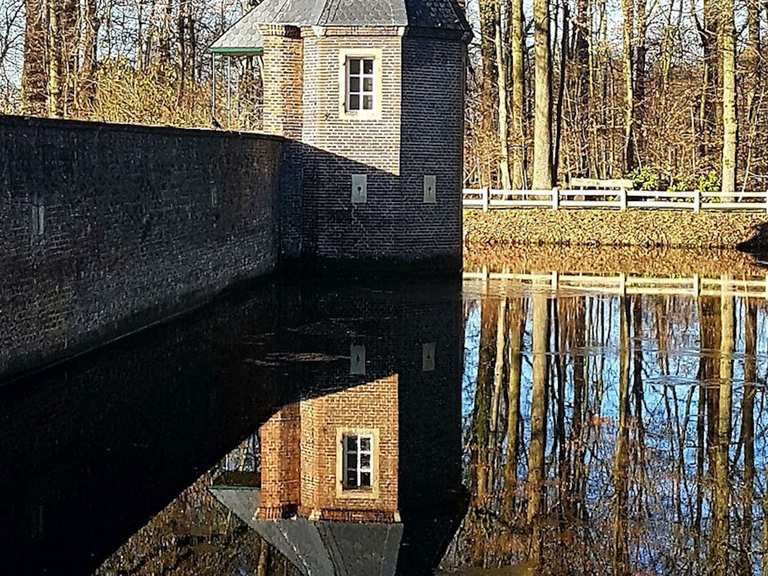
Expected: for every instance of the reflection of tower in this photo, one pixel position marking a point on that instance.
(334, 457)
(361, 471)
(329, 482)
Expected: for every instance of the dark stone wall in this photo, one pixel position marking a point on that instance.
(107, 228)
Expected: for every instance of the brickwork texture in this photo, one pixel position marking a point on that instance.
(106, 228)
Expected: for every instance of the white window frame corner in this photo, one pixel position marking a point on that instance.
(371, 493)
(376, 54)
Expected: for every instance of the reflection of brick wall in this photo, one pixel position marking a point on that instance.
(369, 406)
(299, 447)
(280, 463)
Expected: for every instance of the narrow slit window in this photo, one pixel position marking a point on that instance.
(358, 467)
(360, 84)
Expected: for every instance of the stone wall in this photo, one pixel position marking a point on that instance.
(612, 228)
(106, 228)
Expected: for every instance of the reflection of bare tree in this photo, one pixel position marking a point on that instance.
(721, 497)
(621, 458)
(538, 443)
(515, 357)
(664, 493)
(747, 441)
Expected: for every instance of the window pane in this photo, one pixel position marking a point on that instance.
(354, 102)
(351, 443)
(351, 480)
(351, 462)
(354, 84)
(365, 443)
(354, 66)
(367, 102)
(368, 66)
(365, 461)
(368, 84)
(365, 479)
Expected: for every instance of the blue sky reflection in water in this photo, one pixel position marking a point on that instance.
(516, 430)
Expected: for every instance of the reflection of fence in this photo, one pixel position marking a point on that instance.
(623, 284)
(556, 199)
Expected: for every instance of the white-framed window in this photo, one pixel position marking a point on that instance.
(358, 461)
(360, 83)
(361, 78)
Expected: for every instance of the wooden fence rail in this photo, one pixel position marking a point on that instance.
(620, 199)
(621, 284)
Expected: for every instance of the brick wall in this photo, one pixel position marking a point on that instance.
(105, 228)
(336, 148)
(419, 132)
(432, 142)
(283, 93)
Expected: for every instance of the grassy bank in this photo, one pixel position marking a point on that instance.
(673, 262)
(613, 228)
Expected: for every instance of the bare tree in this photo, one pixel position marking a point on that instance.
(542, 126)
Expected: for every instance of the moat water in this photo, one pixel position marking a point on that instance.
(550, 412)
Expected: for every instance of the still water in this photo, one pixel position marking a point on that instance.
(548, 413)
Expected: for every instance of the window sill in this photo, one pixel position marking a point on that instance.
(366, 116)
(359, 493)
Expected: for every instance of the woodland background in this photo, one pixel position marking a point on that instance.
(671, 93)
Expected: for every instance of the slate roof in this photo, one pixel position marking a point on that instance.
(435, 14)
(320, 548)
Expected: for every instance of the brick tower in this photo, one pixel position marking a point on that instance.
(369, 95)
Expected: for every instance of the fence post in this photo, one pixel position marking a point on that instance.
(697, 201)
(766, 200)
(555, 198)
(486, 198)
(623, 198)
(555, 281)
(696, 285)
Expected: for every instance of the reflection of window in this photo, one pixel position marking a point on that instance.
(358, 451)
(360, 78)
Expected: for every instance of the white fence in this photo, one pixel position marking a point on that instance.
(620, 284)
(556, 199)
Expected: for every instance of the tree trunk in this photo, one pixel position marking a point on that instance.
(640, 66)
(87, 80)
(730, 126)
(561, 90)
(488, 97)
(55, 104)
(501, 83)
(582, 38)
(516, 34)
(629, 96)
(542, 128)
(34, 83)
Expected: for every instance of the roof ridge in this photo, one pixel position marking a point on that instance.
(324, 15)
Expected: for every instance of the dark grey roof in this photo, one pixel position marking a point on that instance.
(436, 14)
(320, 548)
(242, 38)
